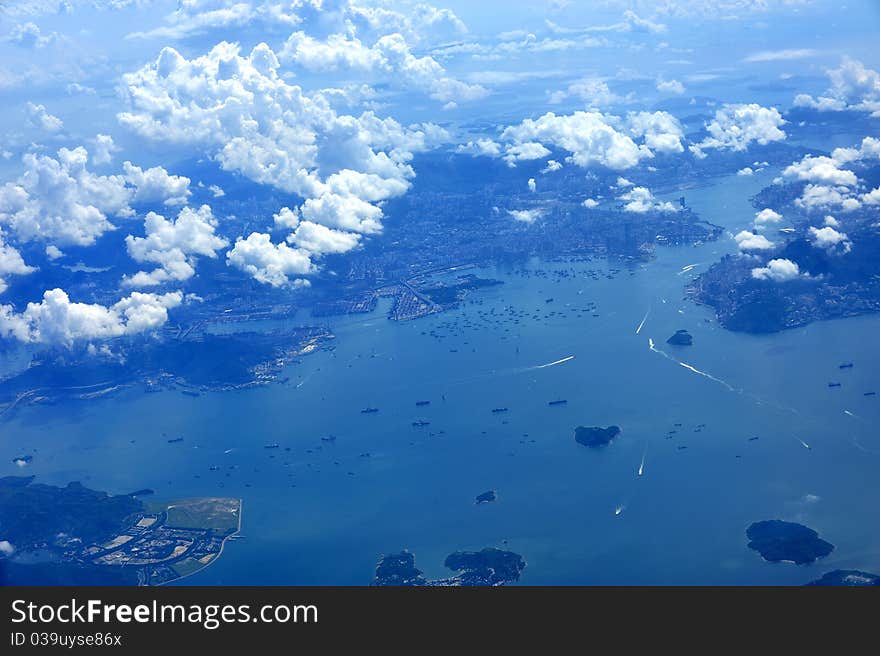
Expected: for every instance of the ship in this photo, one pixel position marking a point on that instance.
(558, 402)
(175, 439)
(833, 384)
(497, 410)
(368, 411)
(328, 438)
(274, 445)
(420, 423)
(846, 365)
(420, 403)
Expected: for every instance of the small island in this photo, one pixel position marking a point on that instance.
(486, 497)
(779, 541)
(487, 567)
(847, 577)
(681, 338)
(595, 436)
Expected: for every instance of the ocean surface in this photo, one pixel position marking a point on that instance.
(324, 512)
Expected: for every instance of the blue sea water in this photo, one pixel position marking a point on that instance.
(323, 513)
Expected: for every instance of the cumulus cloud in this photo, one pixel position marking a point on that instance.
(6, 548)
(767, 216)
(532, 185)
(239, 109)
(389, 59)
(480, 147)
(526, 216)
(590, 203)
(830, 239)
(319, 239)
(593, 138)
(28, 35)
(104, 149)
(594, 92)
(779, 270)
(41, 119)
(641, 200)
(58, 321)
(736, 127)
(749, 241)
(853, 87)
(829, 184)
(11, 263)
(174, 246)
(60, 201)
(275, 264)
(156, 185)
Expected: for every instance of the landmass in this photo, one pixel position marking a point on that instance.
(779, 541)
(835, 278)
(847, 577)
(73, 535)
(595, 436)
(681, 338)
(488, 567)
(486, 497)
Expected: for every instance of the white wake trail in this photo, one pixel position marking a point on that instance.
(641, 325)
(554, 363)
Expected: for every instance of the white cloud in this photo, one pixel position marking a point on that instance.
(749, 241)
(594, 92)
(745, 171)
(670, 86)
(532, 186)
(240, 110)
(104, 149)
(641, 200)
(155, 185)
(853, 86)
(830, 239)
(274, 264)
(766, 216)
(319, 239)
(662, 132)
(480, 147)
(173, 245)
(39, 118)
(781, 55)
(526, 216)
(56, 320)
(592, 138)
(590, 203)
(11, 263)
(60, 201)
(389, 59)
(6, 548)
(735, 127)
(779, 270)
(552, 166)
(286, 218)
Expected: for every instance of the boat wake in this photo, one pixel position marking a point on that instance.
(552, 364)
(642, 324)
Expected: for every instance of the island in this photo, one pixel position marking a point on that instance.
(73, 535)
(487, 567)
(486, 497)
(847, 577)
(780, 541)
(595, 436)
(681, 338)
